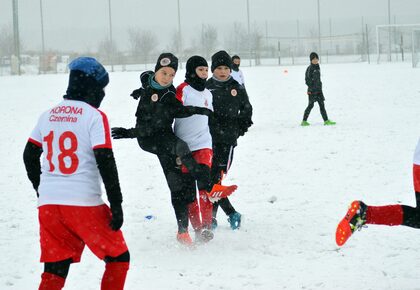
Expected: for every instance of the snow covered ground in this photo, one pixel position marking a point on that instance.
(310, 175)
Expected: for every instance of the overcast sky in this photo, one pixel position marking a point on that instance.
(76, 25)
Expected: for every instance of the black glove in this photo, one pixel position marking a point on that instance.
(136, 94)
(117, 217)
(122, 133)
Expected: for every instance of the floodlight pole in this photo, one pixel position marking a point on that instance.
(249, 32)
(111, 57)
(42, 37)
(319, 30)
(179, 34)
(16, 31)
(389, 30)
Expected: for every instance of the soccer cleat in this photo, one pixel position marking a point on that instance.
(184, 238)
(354, 220)
(220, 191)
(304, 123)
(329, 123)
(235, 220)
(203, 236)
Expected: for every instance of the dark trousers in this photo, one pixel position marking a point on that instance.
(411, 215)
(312, 101)
(182, 188)
(222, 160)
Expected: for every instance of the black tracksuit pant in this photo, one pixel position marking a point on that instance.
(222, 159)
(312, 100)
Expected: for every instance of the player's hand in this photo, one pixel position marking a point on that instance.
(136, 94)
(117, 217)
(121, 133)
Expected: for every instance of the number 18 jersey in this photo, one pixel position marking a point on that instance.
(68, 133)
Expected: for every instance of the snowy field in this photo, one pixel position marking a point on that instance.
(294, 186)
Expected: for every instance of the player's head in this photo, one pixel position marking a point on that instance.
(165, 69)
(87, 81)
(221, 65)
(313, 57)
(197, 72)
(236, 62)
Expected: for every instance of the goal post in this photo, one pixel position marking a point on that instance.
(395, 41)
(415, 48)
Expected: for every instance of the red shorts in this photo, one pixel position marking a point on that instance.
(416, 177)
(65, 229)
(202, 156)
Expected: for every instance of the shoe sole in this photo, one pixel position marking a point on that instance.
(344, 230)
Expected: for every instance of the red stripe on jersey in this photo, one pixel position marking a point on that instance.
(36, 143)
(179, 92)
(108, 143)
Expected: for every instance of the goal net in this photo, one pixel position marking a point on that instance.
(395, 42)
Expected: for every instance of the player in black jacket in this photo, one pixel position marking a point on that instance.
(313, 81)
(231, 119)
(156, 111)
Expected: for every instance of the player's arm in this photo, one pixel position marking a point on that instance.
(181, 111)
(31, 158)
(108, 169)
(245, 113)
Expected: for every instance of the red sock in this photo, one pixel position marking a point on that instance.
(194, 215)
(206, 208)
(391, 215)
(114, 276)
(51, 282)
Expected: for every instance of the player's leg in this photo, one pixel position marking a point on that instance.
(390, 215)
(323, 110)
(180, 196)
(308, 110)
(59, 247)
(115, 271)
(55, 274)
(411, 215)
(222, 160)
(91, 224)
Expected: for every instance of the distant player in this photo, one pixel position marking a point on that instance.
(74, 140)
(360, 214)
(315, 94)
(237, 73)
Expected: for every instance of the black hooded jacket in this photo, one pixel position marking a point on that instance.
(313, 79)
(157, 108)
(232, 111)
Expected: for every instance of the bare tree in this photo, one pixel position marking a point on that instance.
(142, 43)
(6, 41)
(256, 43)
(107, 51)
(208, 39)
(237, 39)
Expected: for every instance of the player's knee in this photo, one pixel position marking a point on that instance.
(60, 268)
(124, 257)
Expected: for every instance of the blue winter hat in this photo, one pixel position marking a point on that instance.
(92, 68)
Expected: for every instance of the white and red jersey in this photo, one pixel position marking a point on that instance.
(416, 159)
(68, 133)
(194, 130)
